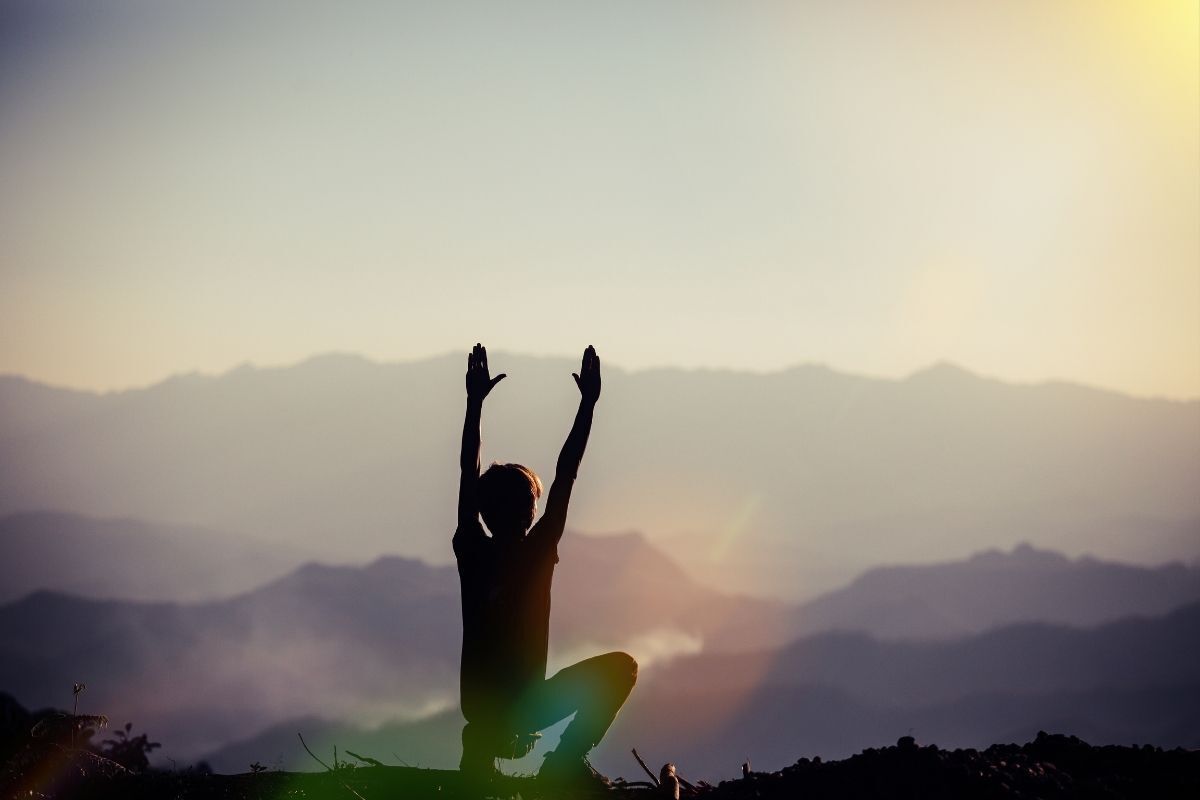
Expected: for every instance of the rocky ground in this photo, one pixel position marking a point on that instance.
(1051, 766)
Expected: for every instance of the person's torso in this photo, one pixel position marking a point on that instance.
(506, 613)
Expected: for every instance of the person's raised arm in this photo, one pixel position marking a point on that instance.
(479, 383)
(588, 381)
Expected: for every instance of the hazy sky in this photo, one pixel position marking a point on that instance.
(1011, 185)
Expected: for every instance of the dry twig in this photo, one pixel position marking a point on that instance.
(311, 753)
(365, 759)
(653, 777)
(326, 766)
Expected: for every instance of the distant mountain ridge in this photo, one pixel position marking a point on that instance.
(379, 643)
(375, 643)
(615, 579)
(992, 589)
(129, 559)
(788, 483)
(1131, 681)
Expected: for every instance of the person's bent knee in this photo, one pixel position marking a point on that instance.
(624, 666)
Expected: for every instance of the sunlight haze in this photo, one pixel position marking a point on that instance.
(1014, 187)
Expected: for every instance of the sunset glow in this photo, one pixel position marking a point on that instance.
(1013, 187)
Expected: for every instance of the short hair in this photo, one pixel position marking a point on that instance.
(507, 495)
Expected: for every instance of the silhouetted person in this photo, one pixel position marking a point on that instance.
(505, 580)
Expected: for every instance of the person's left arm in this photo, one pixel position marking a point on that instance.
(588, 380)
(479, 384)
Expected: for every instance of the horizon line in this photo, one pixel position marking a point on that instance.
(938, 364)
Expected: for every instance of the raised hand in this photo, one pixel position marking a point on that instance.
(588, 377)
(479, 380)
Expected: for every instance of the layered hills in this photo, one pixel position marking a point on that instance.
(989, 648)
(787, 483)
(832, 695)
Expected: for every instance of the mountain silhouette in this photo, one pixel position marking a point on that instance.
(128, 559)
(372, 643)
(994, 588)
(1132, 681)
(134, 560)
(801, 480)
(378, 645)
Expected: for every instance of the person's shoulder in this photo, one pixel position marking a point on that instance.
(471, 528)
(468, 538)
(543, 540)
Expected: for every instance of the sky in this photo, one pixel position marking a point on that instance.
(877, 186)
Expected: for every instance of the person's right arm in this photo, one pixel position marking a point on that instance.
(588, 381)
(479, 384)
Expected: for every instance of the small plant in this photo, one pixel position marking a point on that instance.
(341, 766)
(62, 728)
(131, 752)
(257, 768)
(79, 687)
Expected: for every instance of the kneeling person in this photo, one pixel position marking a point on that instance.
(505, 581)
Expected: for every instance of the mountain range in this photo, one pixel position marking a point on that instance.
(124, 559)
(787, 483)
(1131, 681)
(993, 588)
(1128, 682)
(129, 559)
(377, 645)
(372, 643)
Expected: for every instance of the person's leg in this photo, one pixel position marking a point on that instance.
(478, 752)
(479, 736)
(593, 690)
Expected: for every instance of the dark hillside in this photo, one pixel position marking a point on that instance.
(1051, 767)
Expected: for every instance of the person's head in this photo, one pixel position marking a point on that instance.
(508, 495)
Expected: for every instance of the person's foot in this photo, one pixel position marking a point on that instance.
(478, 765)
(574, 771)
(478, 760)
